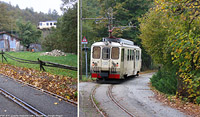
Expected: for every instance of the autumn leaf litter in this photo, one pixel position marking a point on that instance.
(60, 85)
(174, 102)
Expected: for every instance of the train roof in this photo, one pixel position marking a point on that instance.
(115, 44)
(118, 40)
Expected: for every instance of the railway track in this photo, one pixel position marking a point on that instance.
(109, 92)
(112, 98)
(94, 103)
(44, 91)
(21, 103)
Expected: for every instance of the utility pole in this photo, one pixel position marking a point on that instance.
(81, 56)
(110, 19)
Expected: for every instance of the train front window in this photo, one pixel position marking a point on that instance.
(115, 53)
(96, 52)
(106, 53)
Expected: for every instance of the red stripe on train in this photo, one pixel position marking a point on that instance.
(95, 75)
(115, 76)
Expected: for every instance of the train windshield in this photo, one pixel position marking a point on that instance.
(96, 52)
(106, 53)
(115, 53)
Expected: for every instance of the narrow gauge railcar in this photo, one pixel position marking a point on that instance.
(47, 24)
(115, 59)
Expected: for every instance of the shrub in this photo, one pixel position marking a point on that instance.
(165, 81)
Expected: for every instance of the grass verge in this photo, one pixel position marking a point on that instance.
(70, 60)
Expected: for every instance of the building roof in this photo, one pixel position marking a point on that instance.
(4, 32)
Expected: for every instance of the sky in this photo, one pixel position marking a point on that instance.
(37, 5)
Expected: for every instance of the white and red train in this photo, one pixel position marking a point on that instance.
(115, 58)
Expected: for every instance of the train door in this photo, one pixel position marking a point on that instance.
(122, 62)
(105, 61)
(137, 62)
(133, 59)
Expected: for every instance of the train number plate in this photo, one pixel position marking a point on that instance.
(105, 63)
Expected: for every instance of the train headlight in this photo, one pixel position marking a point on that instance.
(114, 64)
(94, 64)
(117, 65)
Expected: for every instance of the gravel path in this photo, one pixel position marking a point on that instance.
(86, 107)
(134, 94)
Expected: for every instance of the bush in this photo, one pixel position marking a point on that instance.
(165, 81)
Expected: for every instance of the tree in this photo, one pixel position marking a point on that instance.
(170, 32)
(125, 12)
(5, 18)
(28, 33)
(64, 37)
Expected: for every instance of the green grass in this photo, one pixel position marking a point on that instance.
(70, 60)
(87, 79)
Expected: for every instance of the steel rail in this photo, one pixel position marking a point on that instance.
(92, 99)
(116, 102)
(21, 103)
(45, 91)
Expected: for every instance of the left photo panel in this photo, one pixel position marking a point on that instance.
(38, 58)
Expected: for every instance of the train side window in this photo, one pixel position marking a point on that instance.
(128, 55)
(106, 53)
(133, 57)
(47, 24)
(115, 53)
(51, 24)
(96, 52)
(55, 24)
(132, 54)
(137, 55)
(122, 55)
(131, 51)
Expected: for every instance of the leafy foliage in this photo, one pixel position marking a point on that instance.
(28, 14)
(125, 12)
(173, 39)
(28, 33)
(5, 19)
(165, 81)
(64, 37)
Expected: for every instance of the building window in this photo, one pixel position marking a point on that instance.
(106, 53)
(115, 53)
(96, 52)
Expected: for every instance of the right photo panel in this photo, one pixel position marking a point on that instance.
(139, 58)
